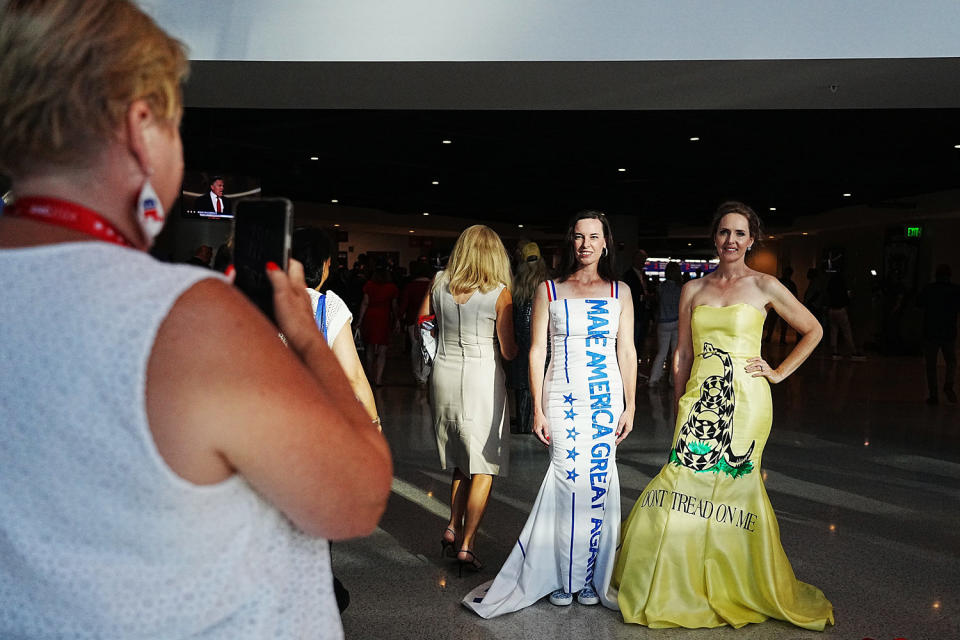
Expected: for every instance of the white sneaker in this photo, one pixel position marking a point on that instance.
(588, 596)
(561, 598)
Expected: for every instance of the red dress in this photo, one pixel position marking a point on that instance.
(376, 321)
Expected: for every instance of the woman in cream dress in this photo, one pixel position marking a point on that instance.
(474, 318)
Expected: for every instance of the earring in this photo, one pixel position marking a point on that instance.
(750, 247)
(603, 254)
(150, 213)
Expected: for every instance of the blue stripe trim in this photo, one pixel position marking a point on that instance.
(573, 522)
(321, 315)
(553, 287)
(616, 289)
(566, 368)
(522, 550)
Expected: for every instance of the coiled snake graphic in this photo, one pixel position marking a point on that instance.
(704, 440)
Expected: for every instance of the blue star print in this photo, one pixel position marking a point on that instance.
(572, 434)
(569, 399)
(569, 415)
(572, 475)
(572, 454)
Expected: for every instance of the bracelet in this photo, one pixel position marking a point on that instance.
(379, 424)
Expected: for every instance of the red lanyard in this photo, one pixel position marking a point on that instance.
(69, 215)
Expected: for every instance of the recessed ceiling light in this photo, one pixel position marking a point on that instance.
(805, 233)
(447, 141)
(334, 201)
(621, 170)
(426, 213)
(847, 195)
(773, 208)
(956, 146)
(336, 224)
(689, 244)
(520, 226)
(695, 139)
(771, 237)
(411, 230)
(314, 157)
(435, 182)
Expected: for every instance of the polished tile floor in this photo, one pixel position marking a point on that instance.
(864, 477)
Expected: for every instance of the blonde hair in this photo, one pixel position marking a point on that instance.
(69, 71)
(478, 261)
(530, 273)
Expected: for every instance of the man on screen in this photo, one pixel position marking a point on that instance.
(214, 200)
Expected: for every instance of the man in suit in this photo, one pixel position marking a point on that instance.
(214, 200)
(636, 279)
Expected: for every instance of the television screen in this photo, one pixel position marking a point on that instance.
(213, 196)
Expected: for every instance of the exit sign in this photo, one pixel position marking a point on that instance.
(914, 232)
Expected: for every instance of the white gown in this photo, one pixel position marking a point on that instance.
(570, 538)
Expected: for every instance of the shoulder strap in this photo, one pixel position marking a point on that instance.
(321, 315)
(551, 290)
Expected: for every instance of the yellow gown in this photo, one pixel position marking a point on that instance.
(701, 547)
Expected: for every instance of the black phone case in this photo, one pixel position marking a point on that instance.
(261, 234)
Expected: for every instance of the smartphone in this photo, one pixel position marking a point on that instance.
(261, 234)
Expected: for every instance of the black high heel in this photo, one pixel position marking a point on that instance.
(447, 549)
(473, 563)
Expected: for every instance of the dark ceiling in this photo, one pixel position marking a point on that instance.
(537, 167)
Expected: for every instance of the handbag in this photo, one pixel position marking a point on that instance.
(358, 341)
(428, 343)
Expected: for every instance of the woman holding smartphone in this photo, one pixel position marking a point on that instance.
(163, 442)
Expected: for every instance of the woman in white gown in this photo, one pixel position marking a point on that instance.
(583, 408)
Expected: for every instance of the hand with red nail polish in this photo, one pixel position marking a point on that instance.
(291, 306)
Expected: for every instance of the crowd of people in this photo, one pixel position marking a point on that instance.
(658, 568)
(129, 469)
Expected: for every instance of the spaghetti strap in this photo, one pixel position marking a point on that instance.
(551, 291)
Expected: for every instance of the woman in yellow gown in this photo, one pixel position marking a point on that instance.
(701, 547)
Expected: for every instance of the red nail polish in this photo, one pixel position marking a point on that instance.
(273, 266)
(229, 271)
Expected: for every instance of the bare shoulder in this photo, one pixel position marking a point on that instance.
(212, 315)
(692, 287)
(505, 298)
(540, 293)
(210, 350)
(626, 299)
(768, 284)
(213, 345)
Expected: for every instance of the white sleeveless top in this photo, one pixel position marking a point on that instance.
(98, 536)
(338, 313)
